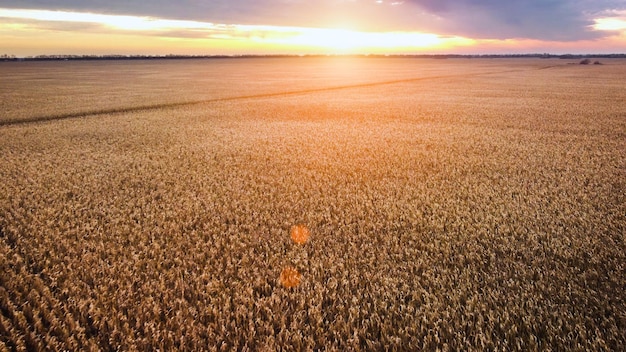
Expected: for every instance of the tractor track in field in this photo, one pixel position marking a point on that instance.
(148, 107)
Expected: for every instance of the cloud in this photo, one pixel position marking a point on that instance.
(90, 23)
(558, 20)
(84, 22)
(612, 21)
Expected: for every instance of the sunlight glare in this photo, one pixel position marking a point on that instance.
(341, 40)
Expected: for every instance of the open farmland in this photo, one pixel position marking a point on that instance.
(451, 204)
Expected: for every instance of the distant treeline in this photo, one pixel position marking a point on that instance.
(6, 57)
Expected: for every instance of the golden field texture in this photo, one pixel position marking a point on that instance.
(448, 204)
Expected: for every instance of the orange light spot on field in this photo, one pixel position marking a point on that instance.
(300, 234)
(290, 277)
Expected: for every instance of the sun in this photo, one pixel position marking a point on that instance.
(337, 39)
(350, 41)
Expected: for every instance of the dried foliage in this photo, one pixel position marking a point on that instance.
(474, 205)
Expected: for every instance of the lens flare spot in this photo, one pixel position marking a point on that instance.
(300, 234)
(290, 277)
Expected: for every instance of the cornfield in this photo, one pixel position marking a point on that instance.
(313, 203)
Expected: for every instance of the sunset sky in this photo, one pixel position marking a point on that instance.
(158, 27)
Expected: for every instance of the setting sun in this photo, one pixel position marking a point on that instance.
(342, 40)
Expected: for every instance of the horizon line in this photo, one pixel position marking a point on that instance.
(42, 57)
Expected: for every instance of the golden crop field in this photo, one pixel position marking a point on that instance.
(313, 203)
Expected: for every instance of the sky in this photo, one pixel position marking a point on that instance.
(236, 27)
